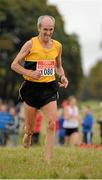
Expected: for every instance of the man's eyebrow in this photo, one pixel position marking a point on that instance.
(48, 29)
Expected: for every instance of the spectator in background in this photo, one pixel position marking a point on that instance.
(0, 104)
(37, 129)
(13, 126)
(5, 118)
(64, 103)
(61, 132)
(87, 125)
(71, 121)
(99, 121)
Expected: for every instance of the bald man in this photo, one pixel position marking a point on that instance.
(42, 59)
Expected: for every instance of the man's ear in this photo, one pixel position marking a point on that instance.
(39, 29)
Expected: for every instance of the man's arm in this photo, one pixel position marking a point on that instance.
(16, 64)
(60, 71)
(66, 113)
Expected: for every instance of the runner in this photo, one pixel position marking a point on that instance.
(42, 58)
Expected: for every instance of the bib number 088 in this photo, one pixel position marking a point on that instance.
(48, 72)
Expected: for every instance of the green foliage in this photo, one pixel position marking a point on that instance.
(72, 65)
(17, 25)
(95, 81)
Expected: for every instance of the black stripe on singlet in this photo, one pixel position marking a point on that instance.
(30, 65)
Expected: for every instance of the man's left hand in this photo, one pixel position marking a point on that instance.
(64, 82)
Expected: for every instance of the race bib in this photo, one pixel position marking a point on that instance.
(46, 67)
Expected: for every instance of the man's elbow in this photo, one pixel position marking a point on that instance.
(13, 66)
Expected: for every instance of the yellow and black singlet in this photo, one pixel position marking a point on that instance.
(42, 59)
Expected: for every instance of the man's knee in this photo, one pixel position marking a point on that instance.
(51, 125)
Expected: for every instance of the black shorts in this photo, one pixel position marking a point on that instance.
(38, 94)
(70, 131)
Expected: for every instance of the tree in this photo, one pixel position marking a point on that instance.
(95, 81)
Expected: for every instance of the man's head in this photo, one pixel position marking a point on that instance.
(87, 109)
(4, 108)
(45, 26)
(72, 100)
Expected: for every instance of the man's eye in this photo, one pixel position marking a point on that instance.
(48, 30)
(45, 29)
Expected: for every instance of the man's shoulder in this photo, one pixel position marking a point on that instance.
(57, 43)
(34, 37)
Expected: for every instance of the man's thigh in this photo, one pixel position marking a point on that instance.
(50, 110)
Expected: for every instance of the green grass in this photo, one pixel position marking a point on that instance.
(67, 163)
(73, 162)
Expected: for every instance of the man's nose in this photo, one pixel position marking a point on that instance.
(48, 32)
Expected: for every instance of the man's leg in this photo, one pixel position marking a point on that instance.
(67, 140)
(76, 138)
(50, 111)
(88, 137)
(84, 138)
(14, 138)
(30, 114)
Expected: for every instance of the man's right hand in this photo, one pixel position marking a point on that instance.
(34, 74)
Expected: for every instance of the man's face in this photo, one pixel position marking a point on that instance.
(46, 29)
(86, 110)
(73, 102)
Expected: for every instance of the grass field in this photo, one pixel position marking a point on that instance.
(73, 162)
(67, 163)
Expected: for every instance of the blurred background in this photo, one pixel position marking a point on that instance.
(78, 28)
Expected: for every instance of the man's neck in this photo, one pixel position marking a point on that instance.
(45, 44)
